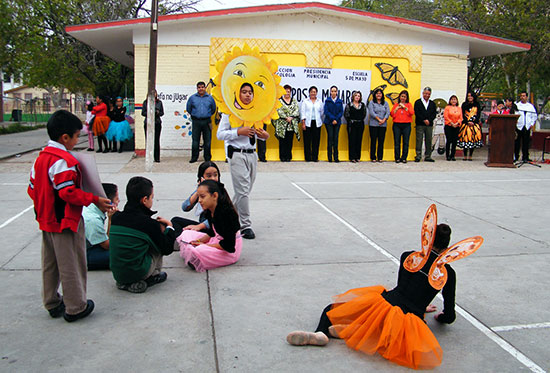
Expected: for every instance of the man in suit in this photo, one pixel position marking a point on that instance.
(425, 111)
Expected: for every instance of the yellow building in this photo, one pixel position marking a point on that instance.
(339, 46)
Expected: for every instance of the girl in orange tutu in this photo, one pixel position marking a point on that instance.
(101, 123)
(372, 319)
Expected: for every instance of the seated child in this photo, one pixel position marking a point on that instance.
(202, 251)
(137, 242)
(372, 319)
(97, 237)
(54, 187)
(207, 171)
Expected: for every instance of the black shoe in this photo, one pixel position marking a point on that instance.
(453, 159)
(336, 161)
(429, 160)
(417, 159)
(99, 150)
(248, 233)
(90, 149)
(156, 279)
(263, 160)
(329, 160)
(136, 287)
(120, 150)
(398, 160)
(57, 311)
(89, 308)
(106, 151)
(404, 160)
(192, 160)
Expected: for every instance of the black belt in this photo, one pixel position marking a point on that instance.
(231, 150)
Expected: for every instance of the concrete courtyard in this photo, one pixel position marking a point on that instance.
(321, 229)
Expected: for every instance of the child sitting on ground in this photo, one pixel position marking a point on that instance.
(55, 190)
(97, 236)
(137, 242)
(207, 171)
(202, 251)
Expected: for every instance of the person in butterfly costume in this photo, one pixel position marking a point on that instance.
(372, 319)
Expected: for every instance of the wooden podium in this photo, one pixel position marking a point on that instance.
(502, 133)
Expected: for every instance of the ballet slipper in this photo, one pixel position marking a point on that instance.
(301, 338)
(335, 330)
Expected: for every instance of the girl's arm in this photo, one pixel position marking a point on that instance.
(190, 202)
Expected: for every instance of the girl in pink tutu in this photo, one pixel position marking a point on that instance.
(201, 251)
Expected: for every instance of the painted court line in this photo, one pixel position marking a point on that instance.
(340, 182)
(424, 181)
(508, 328)
(461, 311)
(15, 217)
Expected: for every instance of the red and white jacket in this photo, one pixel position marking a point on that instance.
(55, 189)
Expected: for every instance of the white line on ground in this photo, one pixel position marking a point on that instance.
(508, 328)
(15, 217)
(471, 319)
(341, 182)
(423, 181)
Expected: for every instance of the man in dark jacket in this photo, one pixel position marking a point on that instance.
(159, 112)
(425, 111)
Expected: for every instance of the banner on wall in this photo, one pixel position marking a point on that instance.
(176, 122)
(347, 81)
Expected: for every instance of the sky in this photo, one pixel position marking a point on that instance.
(224, 4)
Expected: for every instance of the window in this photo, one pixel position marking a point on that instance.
(28, 96)
(46, 98)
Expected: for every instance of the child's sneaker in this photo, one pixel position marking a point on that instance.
(136, 287)
(156, 279)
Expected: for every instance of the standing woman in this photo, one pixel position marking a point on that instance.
(287, 124)
(101, 123)
(311, 113)
(334, 109)
(469, 135)
(355, 114)
(453, 119)
(379, 112)
(402, 113)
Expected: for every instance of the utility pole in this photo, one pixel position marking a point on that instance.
(149, 145)
(1, 96)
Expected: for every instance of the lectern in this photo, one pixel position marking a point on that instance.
(502, 132)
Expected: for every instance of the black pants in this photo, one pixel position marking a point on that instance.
(377, 137)
(522, 141)
(333, 132)
(401, 131)
(451, 137)
(468, 152)
(102, 140)
(285, 146)
(156, 151)
(262, 147)
(355, 131)
(312, 136)
(324, 322)
(201, 126)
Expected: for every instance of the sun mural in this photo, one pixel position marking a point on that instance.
(242, 66)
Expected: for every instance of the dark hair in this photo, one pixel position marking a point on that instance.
(204, 166)
(333, 87)
(406, 93)
(247, 85)
(442, 237)
(473, 95)
(450, 98)
(90, 107)
(63, 122)
(374, 95)
(110, 190)
(509, 99)
(521, 92)
(500, 102)
(224, 201)
(137, 188)
(313, 87)
(201, 83)
(286, 86)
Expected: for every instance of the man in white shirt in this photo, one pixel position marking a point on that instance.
(527, 118)
(241, 145)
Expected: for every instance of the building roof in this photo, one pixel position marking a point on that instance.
(115, 38)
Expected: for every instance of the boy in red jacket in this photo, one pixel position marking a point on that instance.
(55, 190)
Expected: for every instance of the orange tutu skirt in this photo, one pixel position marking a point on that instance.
(101, 125)
(374, 325)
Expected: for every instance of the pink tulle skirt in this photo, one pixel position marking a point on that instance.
(204, 257)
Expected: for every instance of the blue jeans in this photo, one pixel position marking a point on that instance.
(333, 130)
(98, 258)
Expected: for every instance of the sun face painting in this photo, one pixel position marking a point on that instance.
(241, 66)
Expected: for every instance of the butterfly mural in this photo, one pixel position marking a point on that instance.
(393, 97)
(382, 87)
(437, 276)
(391, 74)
